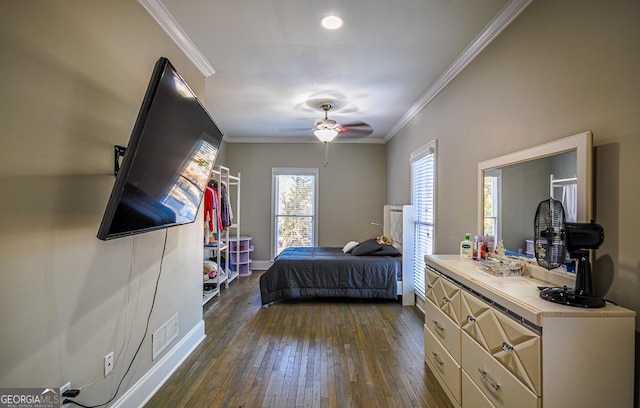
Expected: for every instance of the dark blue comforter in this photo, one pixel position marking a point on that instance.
(329, 272)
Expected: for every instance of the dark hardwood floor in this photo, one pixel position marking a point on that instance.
(314, 353)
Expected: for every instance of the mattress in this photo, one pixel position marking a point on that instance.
(329, 272)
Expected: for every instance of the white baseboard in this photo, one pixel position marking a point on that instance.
(146, 387)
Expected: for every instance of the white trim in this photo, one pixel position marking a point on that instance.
(504, 17)
(408, 245)
(278, 171)
(292, 139)
(581, 143)
(429, 148)
(142, 391)
(159, 12)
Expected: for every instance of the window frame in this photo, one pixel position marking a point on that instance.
(430, 149)
(497, 197)
(293, 171)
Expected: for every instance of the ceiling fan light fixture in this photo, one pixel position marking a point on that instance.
(331, 22)
(325, 135)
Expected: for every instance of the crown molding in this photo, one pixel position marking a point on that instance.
(159, 12)
(507, 14)
(285, 139)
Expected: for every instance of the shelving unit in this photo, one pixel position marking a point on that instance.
(240, 249)
(213, 253)
(216, 247)
(233, 232)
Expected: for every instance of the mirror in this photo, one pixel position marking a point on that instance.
(511, 186)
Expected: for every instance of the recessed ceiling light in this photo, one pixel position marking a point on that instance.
(331, 22)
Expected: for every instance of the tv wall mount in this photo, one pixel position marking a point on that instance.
(118, 156)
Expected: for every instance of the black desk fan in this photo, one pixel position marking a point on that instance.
(553, 238)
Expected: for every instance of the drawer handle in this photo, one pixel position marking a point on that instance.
(438, 326)
(507, 347)
(446, 300)
(487, 380)
(435, 357)
(470, 319)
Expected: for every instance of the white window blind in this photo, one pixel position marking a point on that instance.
(423, 199)
(294, 208)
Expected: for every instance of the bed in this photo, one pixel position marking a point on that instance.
(330, 272)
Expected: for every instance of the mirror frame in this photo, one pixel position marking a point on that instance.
(582, 143)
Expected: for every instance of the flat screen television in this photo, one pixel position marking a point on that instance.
(167, 163)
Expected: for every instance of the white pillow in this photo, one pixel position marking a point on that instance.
(350, 245)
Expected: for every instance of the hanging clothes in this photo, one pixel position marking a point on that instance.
(225, 207)
(211, 213)
(230, 210)
(208, 207)
(570, 201)
(216, 200)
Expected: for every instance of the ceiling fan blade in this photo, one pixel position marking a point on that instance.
(357, 129)
(302, 129)
(356, 124)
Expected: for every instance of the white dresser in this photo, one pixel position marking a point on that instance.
(492, 342)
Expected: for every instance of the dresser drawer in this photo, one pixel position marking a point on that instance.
(515, 346)
(432, 276)
(472, 397)
(443, 365)
(444, 294)
(501, 387)
(443, 329)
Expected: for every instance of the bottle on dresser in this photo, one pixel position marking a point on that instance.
(466, 247)
(479, 251)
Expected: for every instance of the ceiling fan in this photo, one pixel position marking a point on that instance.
(327, 129)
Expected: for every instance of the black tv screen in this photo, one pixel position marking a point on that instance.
(167, 163)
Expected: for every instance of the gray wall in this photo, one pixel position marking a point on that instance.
(73, 76)
(351, 190)
(561, 68)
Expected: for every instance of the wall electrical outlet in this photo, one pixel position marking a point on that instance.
(108, 364)
(64, 388)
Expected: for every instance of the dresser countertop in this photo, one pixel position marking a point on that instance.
(518, 294)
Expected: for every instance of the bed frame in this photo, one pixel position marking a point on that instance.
(398, 224)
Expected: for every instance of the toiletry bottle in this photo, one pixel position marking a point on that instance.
(474, 248)
(490, 244)
(478, 248)
(466, 246)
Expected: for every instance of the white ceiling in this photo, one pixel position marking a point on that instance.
(274, 63)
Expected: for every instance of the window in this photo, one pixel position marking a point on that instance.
(294, 204)
(491, 199)
(423, 199)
